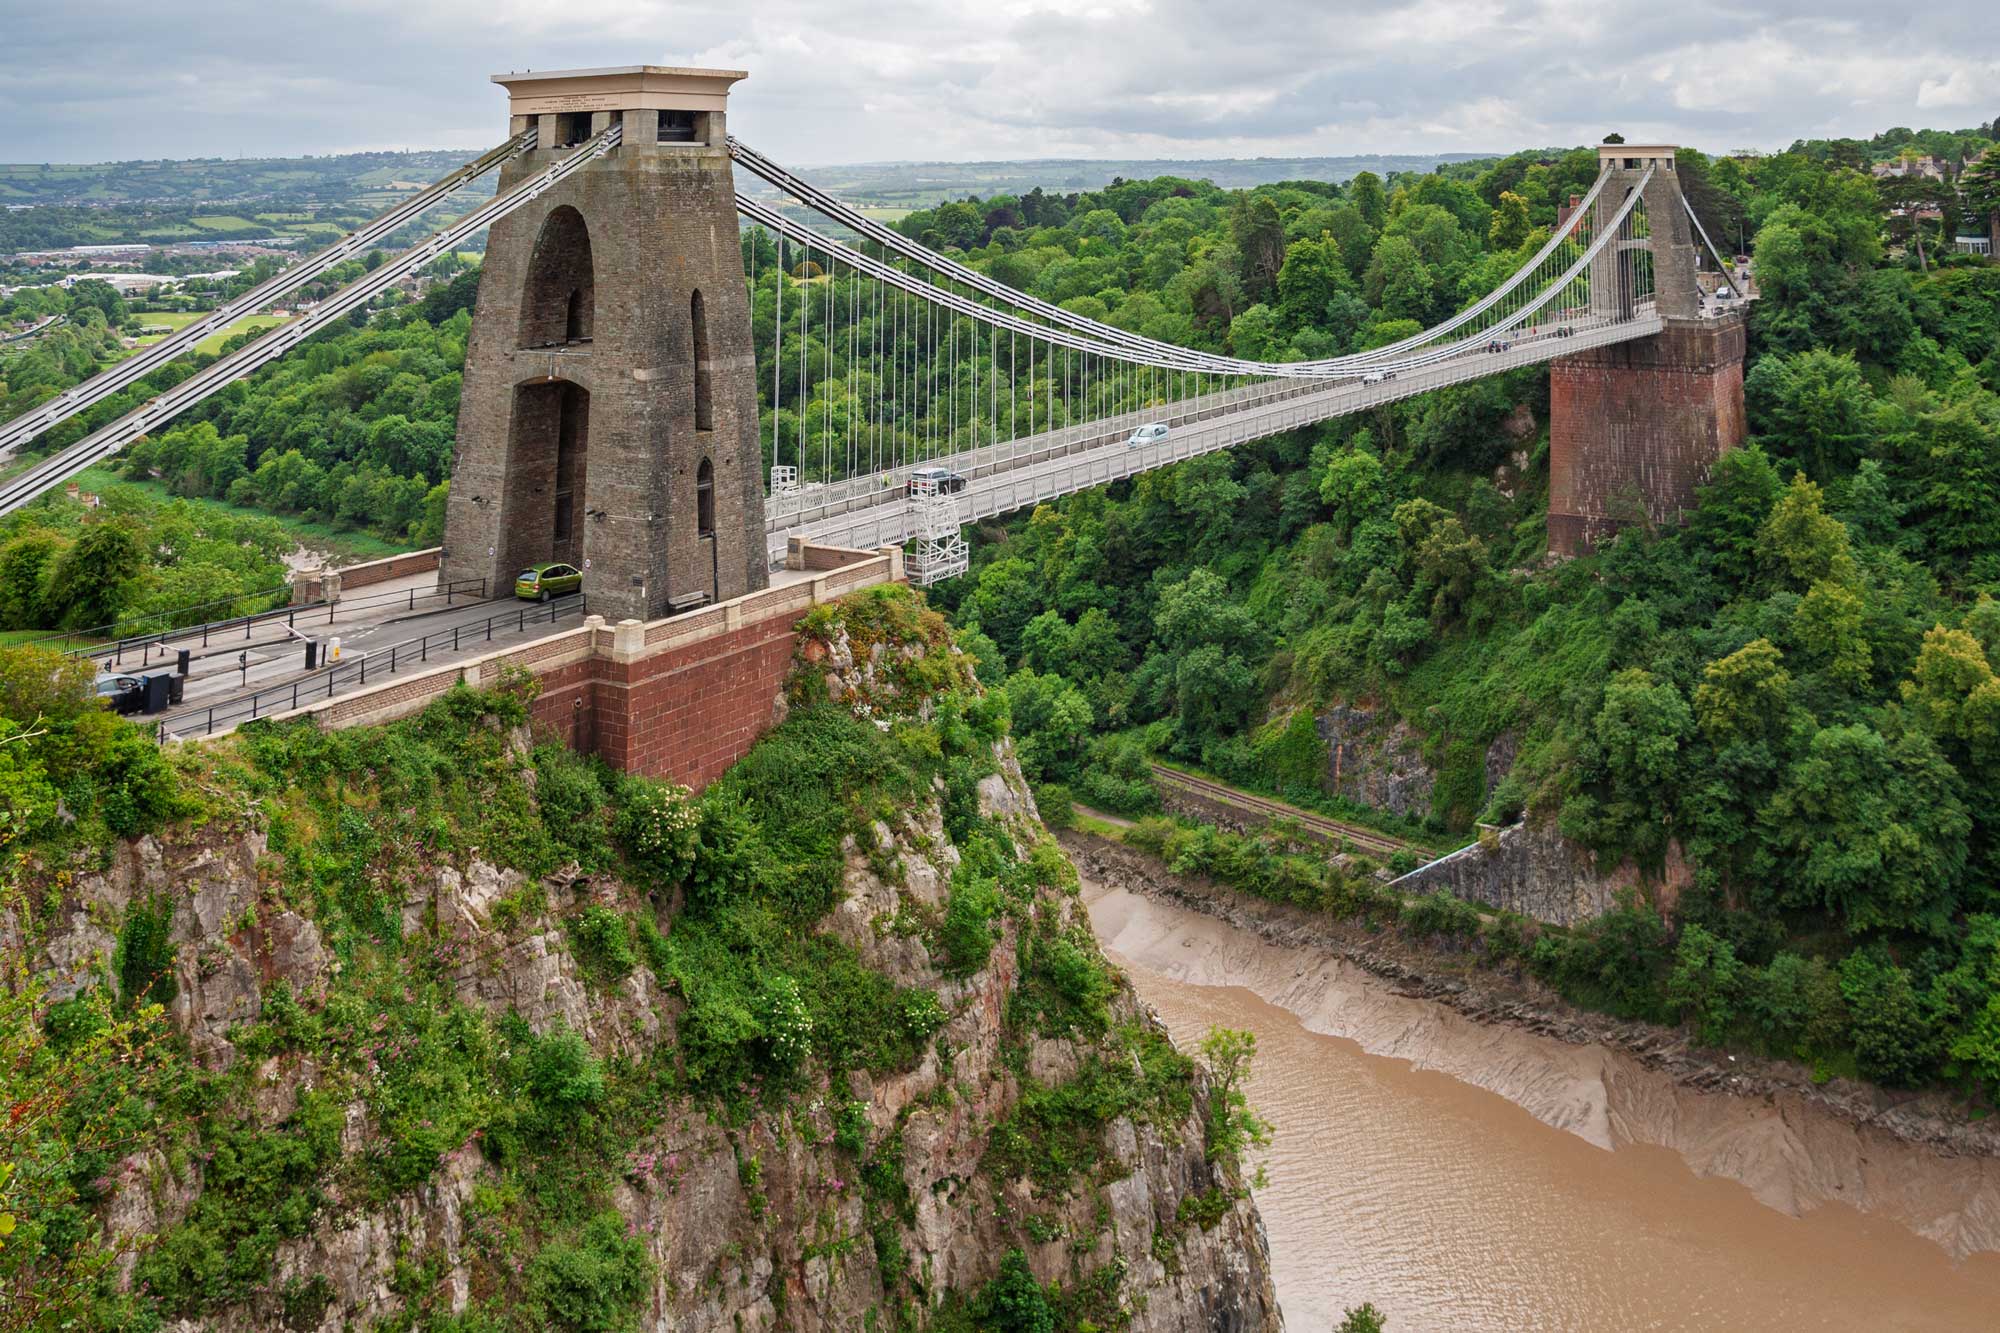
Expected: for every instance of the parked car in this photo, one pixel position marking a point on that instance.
(541, 582)
(1146, 435)
(936, 481)
(1724, 294)
(122, 694)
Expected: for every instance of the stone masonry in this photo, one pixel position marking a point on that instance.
(594, 426)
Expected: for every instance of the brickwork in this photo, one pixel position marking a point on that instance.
(682, 698)
(636, 237)
(688, 713)
(1634, 428)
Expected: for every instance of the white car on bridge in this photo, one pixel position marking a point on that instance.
(1146, 435)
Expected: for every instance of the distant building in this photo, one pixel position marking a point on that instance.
(125, 284)
(1930, 168)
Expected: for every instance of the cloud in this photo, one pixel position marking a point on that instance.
(857, 80)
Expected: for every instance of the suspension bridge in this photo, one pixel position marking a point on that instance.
(685, 358)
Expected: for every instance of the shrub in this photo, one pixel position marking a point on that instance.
(788, 1027)
(603, 943)
(1056, 804)
(561, 1074)
(659, 827)
(1439, 913)
(1894, 1042)
(966, 932)
(573, 798)
(144, 959)
(1707, 983)
(596, 1283)
(1013, 1302)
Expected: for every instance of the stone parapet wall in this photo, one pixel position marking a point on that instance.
(312, 586)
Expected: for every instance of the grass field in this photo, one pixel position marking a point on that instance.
(213, 342)
(313, 536)
(225, 222)
(173, 319)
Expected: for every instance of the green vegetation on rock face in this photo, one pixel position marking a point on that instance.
(414, 866)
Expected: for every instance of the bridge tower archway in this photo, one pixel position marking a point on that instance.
(608, 414)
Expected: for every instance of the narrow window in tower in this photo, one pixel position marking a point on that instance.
(573, 318)
(704, 499)
(704, 407)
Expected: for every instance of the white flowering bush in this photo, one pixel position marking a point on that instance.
(658, 825)
(787, 1025)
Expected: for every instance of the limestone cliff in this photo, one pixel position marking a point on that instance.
(397, 1123)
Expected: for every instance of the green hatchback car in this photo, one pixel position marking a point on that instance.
(545, 581)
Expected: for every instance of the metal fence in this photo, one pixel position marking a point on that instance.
(356, 672)
(292, 616)
(103, 635)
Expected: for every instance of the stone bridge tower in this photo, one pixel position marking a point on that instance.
(608, 416)
(1635, 426)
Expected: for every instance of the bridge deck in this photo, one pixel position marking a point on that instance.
(872, 511)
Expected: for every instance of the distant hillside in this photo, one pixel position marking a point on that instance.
(921, 184)
(313, 199)
(343, 179)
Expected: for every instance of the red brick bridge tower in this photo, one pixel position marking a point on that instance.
(1635, 426)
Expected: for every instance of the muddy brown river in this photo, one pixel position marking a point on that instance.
(1464, 1176)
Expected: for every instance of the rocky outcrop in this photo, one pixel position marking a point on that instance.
(1532, 869)
(1376, 759)
(787, 1244)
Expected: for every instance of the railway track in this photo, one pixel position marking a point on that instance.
(1333, 830)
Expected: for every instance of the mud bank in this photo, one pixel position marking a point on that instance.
(1794, 1145)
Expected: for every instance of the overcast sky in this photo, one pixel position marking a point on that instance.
(872, 80)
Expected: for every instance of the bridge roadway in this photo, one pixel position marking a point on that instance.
(872, 510)
(225, 674)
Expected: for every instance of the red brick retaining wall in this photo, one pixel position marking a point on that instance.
(1634, 428)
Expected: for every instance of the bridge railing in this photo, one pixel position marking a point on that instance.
(215, 630)
(805, 502)
(355, 671)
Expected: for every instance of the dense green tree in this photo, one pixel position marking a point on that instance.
(1369, 198)
(91, 578)
(1399, 283)
(1313, 274)
(1510, 224)
(1800, 541)
(1815, 406)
